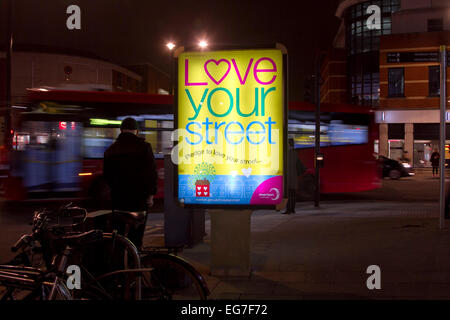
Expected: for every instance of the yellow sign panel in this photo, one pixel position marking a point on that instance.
(230, 127)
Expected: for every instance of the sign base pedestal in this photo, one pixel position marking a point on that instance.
(230, 243)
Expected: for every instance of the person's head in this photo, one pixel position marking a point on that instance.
(129, 125)
(291, 142)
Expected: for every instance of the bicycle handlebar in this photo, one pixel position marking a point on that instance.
(21, 242)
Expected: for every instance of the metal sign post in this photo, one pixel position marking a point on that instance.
(9, 50)
(317, 154)
(443, 97)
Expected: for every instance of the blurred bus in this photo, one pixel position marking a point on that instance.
(347, 137)
(59, 139)
(58, 143)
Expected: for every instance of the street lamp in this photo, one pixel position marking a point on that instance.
(203, 44)
(9, 51)
(318, 161)
(170, 45)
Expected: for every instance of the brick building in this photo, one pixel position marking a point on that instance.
(385, 58)
(410, 81)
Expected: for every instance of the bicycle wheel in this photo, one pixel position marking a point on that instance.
(39, 293)
(112, 253)
(172, 278)
(11, 293)
(92, 292)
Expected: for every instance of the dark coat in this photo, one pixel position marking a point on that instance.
(435, 159)
(130, 171)
(292, 172)
(295, 168)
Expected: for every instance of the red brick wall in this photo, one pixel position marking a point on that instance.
(415, 73)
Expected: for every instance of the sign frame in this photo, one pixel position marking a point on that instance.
(415, 57)
(285, 96)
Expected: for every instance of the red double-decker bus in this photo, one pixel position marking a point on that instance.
(347, 135)
(58, 143)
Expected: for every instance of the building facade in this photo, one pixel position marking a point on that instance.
(408, 112)
(334, 75)
(38, 66)
(35, 66)
(392, 67)
(154, 80)
(356, 48)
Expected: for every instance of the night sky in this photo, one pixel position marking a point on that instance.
(135, 31)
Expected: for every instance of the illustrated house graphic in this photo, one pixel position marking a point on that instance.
(202, 188)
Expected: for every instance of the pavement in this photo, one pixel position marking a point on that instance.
(324, 253)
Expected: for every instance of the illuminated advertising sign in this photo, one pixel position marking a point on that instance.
(230, 127)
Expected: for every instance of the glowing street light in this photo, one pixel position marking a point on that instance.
(203, 44)
(170, 45)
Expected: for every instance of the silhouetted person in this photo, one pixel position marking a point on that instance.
(130, 171)
(293, 171)
(435, 161)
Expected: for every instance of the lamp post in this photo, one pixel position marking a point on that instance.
(7, 139)
(443, 102)
(202, 44)
(171, 46)
(318, 157)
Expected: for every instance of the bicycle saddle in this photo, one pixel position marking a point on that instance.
(131, 218)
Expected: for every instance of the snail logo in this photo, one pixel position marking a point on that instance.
(277, 193)
(273, 194)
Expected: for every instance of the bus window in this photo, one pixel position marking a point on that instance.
(158, 133)
(336, 129)
(156, 129)
(345, 134)
(20, 140)
(96, 140)
(304, 134)
(52, 158)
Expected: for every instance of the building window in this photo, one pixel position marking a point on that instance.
(359, 37)
(435, 25)
(363, 45)
(396, 82)
(433, 81)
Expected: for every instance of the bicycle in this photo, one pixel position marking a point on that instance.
(25, 278)
(23, 281)
(164, 274)
(29, 283)
(149, 274)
